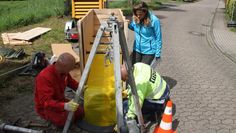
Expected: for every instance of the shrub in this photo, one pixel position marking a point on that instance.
(231, 8)
(127, 10)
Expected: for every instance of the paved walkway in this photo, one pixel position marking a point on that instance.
(202, 80)
(220, 35)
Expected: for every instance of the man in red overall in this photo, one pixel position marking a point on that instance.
(50, 84)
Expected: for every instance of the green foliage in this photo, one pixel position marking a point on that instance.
(233, 29)
(15, 14)
(123, 5)
(155, 4)
(12, 0)
(118, 4)
(231, 8)
(127, 10)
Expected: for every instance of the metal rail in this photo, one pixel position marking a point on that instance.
(116, 51)
(85, 74)
(118, 39)
(131, 80)
(15, 70)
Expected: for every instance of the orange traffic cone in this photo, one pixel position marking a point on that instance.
(166, 121)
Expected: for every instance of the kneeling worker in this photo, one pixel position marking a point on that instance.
(152, 90)
(50, 84)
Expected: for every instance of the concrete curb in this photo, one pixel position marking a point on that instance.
(211, 38)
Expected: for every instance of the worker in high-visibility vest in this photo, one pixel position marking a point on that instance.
(152, 89)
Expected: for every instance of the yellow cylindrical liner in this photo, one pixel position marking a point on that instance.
(99, 97)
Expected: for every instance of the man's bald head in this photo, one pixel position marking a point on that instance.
(66, 58)
(65, 63)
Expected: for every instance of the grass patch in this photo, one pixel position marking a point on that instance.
(16, 84)
(155, 4)
(233, 29)
(127, 9)
(14, 14)
(43, 42)
(227, 17)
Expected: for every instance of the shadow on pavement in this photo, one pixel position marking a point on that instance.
(175, 124)
(161, 16)
(173, 109)
(169, 7)
(170, 81)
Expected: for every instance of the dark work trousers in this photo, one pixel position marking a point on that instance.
(150, 106)
(144, 58)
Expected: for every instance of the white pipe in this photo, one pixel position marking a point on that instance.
(5, 127)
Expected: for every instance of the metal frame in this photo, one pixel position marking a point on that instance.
(118, 39)
(131, 80)
(85, 74)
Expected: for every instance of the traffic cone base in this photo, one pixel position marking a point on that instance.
(166, 121)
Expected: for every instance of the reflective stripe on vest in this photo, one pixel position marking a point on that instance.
(157, 90)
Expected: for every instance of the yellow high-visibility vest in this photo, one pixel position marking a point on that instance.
(149, 85)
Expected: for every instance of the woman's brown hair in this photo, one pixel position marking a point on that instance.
(142, 6)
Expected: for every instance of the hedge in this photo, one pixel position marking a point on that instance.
(230, 5)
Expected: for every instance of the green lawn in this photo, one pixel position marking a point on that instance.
(43, 43)
(127, 9)
(15, 14)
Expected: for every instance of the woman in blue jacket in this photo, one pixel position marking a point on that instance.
(148, 38)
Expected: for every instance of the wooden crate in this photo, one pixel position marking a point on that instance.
(88, 27)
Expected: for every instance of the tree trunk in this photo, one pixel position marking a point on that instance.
(130, 3)
(67, 9)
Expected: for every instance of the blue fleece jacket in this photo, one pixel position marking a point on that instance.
(148, 39)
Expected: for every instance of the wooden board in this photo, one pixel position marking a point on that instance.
(101, 14)
(58, 49)
(76, 73)
(88, 27)
(30, 34)
(7, 38)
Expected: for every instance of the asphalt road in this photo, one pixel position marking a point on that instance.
(203, 81)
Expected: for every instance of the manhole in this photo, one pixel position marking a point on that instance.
(196, 33)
